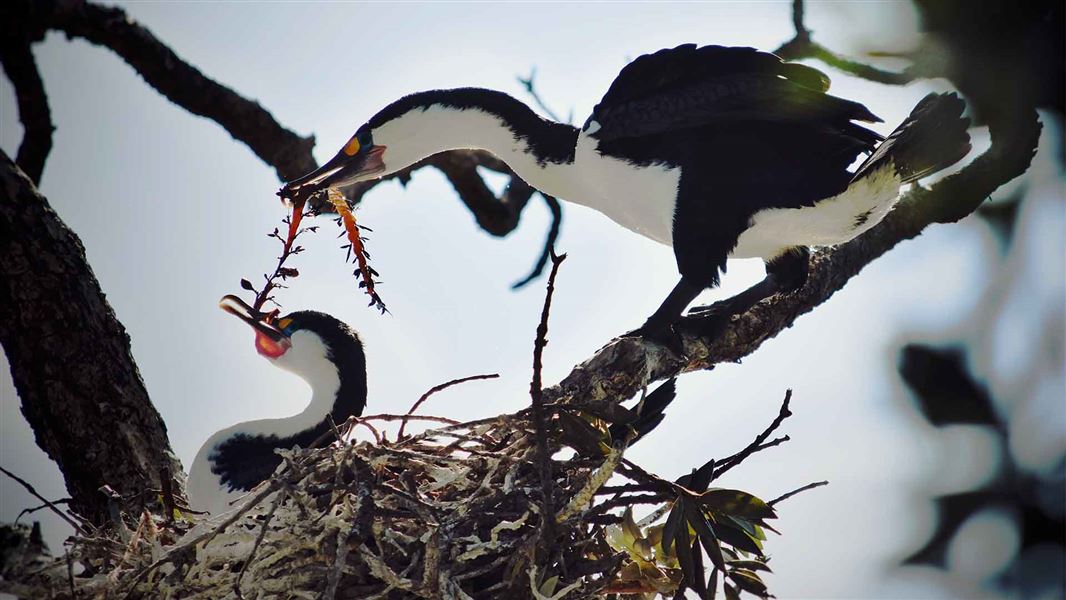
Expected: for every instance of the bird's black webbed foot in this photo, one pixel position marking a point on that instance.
(661, 331)
(661, 325)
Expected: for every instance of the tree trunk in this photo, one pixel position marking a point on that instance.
(70, 359)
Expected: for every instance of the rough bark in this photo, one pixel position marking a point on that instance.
(70, 358)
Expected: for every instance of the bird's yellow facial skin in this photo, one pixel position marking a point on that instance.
(352, 147)
(284, 323)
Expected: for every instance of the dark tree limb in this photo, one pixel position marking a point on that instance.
(70, 359)
(245, 119)
(549, 241)
(626, 365)
(21, 70)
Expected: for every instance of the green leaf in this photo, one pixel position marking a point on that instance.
(749, 582)
(580, 435)
(736, 503)
(629, 526)
(673, 522)
(548, 587)
(684, 554)
(705, 534)
(737, 538)
(712, 583)
(731, 592)
(751, 565)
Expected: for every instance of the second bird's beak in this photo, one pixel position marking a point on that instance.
(238, 308)
(341, 170)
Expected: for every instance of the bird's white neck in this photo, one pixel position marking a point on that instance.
(541, 152)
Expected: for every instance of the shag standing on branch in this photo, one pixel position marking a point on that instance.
(720, 152)
(323, 351)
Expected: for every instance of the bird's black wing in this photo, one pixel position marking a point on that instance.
(688, 87)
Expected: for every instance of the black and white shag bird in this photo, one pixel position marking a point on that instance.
(719, 152)
(322, 350)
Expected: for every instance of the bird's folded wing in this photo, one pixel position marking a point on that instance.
(688, 87)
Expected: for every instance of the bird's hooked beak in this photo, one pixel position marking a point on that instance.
(341, 170)
(270, 341)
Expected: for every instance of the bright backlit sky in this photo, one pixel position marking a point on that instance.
(173, 213)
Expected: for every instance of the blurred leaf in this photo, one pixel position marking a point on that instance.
(1001, 216)
(737, 503)
(943, 388)
(247, 285)
(731, 592)
(952, 511)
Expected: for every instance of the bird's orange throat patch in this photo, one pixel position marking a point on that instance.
(269, 348)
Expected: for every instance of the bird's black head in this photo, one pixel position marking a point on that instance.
(319, 348)
(358, 160)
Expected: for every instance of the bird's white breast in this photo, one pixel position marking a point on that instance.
(639, 198)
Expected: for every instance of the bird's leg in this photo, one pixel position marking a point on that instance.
(786, 273)
(660, 325)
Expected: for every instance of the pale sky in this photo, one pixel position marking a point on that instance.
(173, 213)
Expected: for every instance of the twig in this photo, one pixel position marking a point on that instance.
(536, 392)
(434, 390)
(809, 486)
(549, 241)
(21, 69)
(802, 46)
(50, 505)
(753, 447)
(30, 511)
(774, 442)
(258, 541)
(528, 84)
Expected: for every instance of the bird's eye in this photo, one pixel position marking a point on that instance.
(352, 147)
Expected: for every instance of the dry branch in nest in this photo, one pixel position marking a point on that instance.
(452, 512)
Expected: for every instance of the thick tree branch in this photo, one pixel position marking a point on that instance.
(21, 70)
(70, 358)
(246, 120)
(624, 366)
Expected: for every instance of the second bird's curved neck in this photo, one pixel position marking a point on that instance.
(539, 150)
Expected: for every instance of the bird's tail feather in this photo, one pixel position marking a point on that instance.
(932, 138)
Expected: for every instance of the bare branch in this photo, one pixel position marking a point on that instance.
(549, 241)
(434, 390)
(802, 46)
(21, 69)
(809, 486)
(531, 90)
(536, 392)
(51, 505)
(757, 444)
